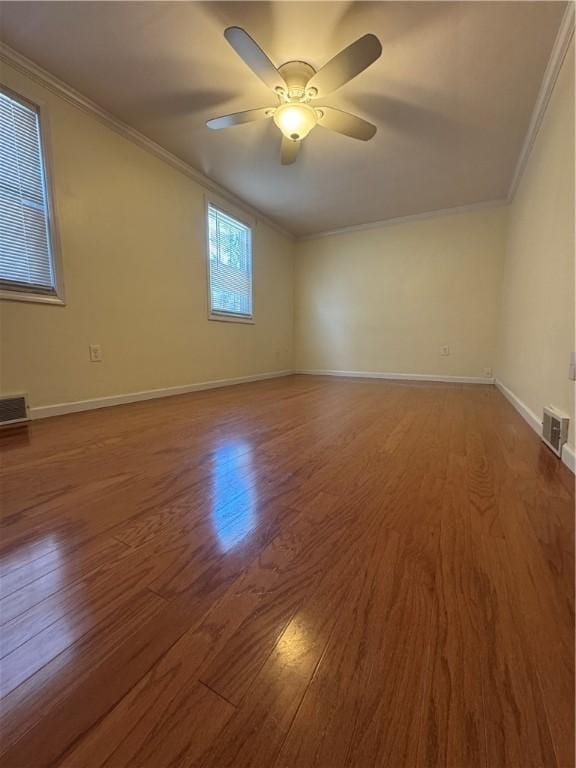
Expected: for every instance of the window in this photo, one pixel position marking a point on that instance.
(27, 269)
(230, 266)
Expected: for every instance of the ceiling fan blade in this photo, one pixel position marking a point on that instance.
(237, 118)
(252, 55)
(346, 65)
(344, 122)
(289, 150)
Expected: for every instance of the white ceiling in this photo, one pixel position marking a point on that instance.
(451, 95)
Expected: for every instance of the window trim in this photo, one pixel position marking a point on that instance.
(21, 294)
(247, 221)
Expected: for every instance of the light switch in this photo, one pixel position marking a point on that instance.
(95, 353)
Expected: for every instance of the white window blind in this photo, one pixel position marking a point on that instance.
(25, 254)
(230, 265)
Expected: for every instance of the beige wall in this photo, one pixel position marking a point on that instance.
(536, 329)
(386, 299)
(496, 285)
(132, 234)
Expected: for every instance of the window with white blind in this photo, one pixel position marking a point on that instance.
(27, 268)
(229, 266)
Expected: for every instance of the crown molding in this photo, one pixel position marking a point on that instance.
(557, 56)
(27, 67)
(57, 86)
(555, 61)
(405, 219)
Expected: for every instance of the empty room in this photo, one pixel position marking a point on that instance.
(287, 376)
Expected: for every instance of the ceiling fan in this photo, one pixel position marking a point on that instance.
(296, 85)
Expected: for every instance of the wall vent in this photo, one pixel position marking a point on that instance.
(554, 429)
(13, 409)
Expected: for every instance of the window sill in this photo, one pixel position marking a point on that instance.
(231, 318)
(35, 298)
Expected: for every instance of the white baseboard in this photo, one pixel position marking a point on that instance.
(522, 409)
(568, 453)
(399, 376)
(569, 457)
(59, 409)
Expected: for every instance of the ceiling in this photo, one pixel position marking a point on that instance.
(452, 94)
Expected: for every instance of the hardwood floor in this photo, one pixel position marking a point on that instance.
(291, 573)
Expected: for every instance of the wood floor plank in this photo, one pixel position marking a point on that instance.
(286, 573)
(454, 711)
(64, 698)
(454, 732)
(540, 608)
(303, 571)
(32, 583)
(180, 736)
(33, 638)
(334, 722)
(254, 610)
(255, 733)
(517, 729)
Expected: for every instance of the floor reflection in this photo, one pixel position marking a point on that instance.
(41, 619)
(294, 643)
(234, 495)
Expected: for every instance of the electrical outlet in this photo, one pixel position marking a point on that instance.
(445, 351)
(488, 373)
(95, 353)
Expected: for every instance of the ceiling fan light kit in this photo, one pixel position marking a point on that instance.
(295, 120)
(296, 84)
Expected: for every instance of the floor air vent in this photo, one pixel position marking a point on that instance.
(13, 409)
(554, 429)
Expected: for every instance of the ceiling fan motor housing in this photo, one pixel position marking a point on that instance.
(296, 74)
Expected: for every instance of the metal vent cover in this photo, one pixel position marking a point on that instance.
(554, 429)
(13, 409)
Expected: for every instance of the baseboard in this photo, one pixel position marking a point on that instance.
(59, 409)
(569, 457)
(568, 453)
(399, 376)
(522, 409)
